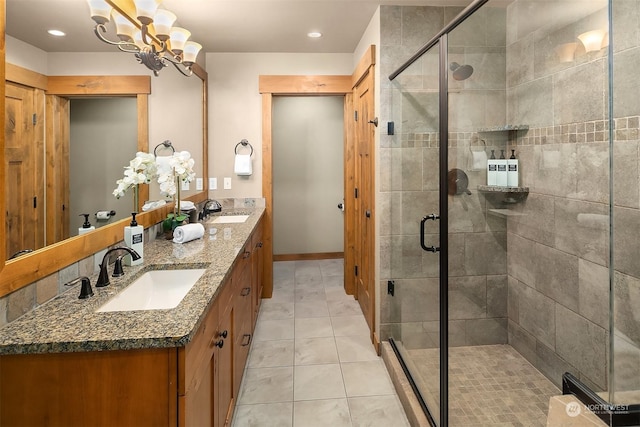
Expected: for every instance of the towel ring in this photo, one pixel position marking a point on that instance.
(244, 143)
(165, 144)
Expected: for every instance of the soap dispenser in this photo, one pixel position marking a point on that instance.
(501, 178)
(86, 227)
(134, 239)
(492, 169)
(512, 170)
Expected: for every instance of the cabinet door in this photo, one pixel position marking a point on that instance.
(257, 262)
(224, 373)
(200, 361)
(243, 325)
(201, 411)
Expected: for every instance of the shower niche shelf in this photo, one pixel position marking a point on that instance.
(501, 189)
(505, 128)
(509, 195)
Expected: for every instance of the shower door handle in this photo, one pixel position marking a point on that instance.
(422, 243)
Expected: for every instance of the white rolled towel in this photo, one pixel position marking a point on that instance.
(188, 232)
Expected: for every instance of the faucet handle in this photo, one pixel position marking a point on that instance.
(85, 290)
(117, 267)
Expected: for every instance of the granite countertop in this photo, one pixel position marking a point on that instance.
(68, 324)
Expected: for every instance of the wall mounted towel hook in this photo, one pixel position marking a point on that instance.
(244, 143)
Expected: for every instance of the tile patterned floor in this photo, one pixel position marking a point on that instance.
(490, 385)
(311, 362)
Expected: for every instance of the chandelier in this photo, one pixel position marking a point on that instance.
(147, 32)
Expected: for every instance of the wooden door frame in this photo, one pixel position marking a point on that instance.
(269, 87)
(283, 85)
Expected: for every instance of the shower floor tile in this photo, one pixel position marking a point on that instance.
(490, 385)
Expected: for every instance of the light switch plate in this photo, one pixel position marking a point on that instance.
(213, 183)
(199, 184)
(227, 183)
(185, 186)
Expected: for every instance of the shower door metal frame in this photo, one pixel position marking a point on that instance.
(441, 38)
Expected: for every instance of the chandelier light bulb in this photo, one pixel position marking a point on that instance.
(100, 11)
(179, 37)
(124, 28)
(190, 53)
(146, 10)
(162, 23)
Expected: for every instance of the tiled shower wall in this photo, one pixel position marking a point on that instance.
(558, 248)
(556, 252)
(409, 182)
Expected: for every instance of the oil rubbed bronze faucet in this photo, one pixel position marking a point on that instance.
(103, 277)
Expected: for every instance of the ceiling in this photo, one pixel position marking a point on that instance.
(219, 25)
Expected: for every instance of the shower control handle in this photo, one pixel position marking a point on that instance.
(422, 243)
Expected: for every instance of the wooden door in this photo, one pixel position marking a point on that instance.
(23, 201)
(364, 194)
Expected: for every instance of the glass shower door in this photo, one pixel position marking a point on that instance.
(411, 192)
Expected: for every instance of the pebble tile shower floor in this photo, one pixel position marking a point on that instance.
(311, 362)
(490, 385)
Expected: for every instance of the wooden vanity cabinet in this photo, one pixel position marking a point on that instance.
(195, 385)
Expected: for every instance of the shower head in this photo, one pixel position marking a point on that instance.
(461, 72)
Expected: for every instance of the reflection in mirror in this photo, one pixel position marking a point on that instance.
(103, 139)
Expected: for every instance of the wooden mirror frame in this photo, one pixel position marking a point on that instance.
(34, 266)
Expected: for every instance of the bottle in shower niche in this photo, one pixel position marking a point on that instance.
(492, 169)
(512, 170)
(501, 180)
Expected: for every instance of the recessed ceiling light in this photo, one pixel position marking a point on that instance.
(314, 35)
(56, 33)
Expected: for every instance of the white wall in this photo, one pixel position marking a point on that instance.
(235, 107)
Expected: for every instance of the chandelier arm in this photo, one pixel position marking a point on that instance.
(128, 47)
(181, 67)
(176, 61)
(146, 39)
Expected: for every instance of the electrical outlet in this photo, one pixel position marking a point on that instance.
(227, 183)
(213, 183)
(185, 186)
(199, 184)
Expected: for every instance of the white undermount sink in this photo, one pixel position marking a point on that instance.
(154, 290)
(229, 219)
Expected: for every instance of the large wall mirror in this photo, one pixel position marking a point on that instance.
(169, 107)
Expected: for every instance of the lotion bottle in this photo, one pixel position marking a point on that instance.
(134, 239)
(492, 169)
(86, 227)
(512, 170)
(501, 180)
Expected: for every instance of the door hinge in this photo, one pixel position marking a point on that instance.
(391, 287)
(355, 115)
(355, 268)
(355, 193)
(35, 118)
